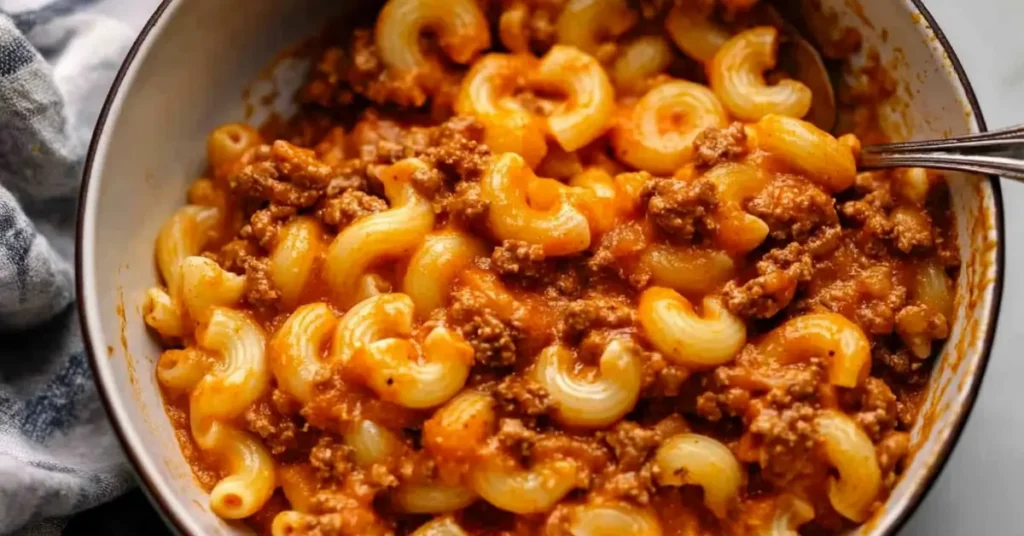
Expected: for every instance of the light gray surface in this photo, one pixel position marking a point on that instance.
(979, 491)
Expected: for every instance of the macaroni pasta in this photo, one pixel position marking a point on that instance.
(568, 283)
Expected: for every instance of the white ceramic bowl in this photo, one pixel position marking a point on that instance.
(186, 74)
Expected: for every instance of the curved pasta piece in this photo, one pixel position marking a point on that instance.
(695, 33)
(414, 375)
(225, 392)
(487, 94)
(586, 112)
(371, 443)
(421, 498)
(373, 319)
(433, 267)
(298, 483)
(587, 24)
(807, 149)
(603, 199)
(241, 375)
(181, 370)
(934, 288)
(163, 314)
(852, 454)
(790, 513)
(738, 232)
(736, 74)
(639, 61)
(185, 234)
(296, 349)
(689, 271)
(296, 254)
(249, 467)
(459, 429)
(442, 526)
(389, 234)
(699, 460)
(606, 519)
(499, 481)
(206, 285)
(290, 523)
(830, 336)
(560, 228)
(657, 135)
(460, 27)
(585, 400)
(697, 341)
(226, 145)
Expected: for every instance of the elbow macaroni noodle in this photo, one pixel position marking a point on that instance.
(674, 328)
(657, 135)
(522, 325)
(594, 403)
(737, 77)
(585, 23)
(852, 454)
(700, 460)
(827, 335)
(389, 234)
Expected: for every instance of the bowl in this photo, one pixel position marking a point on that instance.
(186, 74)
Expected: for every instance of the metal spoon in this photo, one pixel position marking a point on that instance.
(992, 153)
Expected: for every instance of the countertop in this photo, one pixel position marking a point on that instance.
(979, 491)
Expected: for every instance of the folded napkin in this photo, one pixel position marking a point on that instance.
(58, 454)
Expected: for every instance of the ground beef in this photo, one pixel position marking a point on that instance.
(516, 438)
(662, 378)
(682, 209)
(235, 254)
(518, 258)
(918, 325)
(351, 205)
(580, 317)
(631, 443)
(279, 432)
(367, 75)
(787, 439)
(331, 459)
(260, 291)
(891, 450)
(877, 408)
(264, 224)
(638, 486)
(793, 208)
(716, 145)
(456, 148)
(467, 205)
(518, 395)
(911, 229)
(493, 340)
(731, 402)
(283, 174)
(780, 271)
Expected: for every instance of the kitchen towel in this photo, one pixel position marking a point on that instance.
(58, 454)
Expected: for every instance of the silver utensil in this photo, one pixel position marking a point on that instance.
(992, 153)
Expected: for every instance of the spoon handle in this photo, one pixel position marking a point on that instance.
(1000, 152)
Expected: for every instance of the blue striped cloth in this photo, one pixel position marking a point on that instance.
(57, 452)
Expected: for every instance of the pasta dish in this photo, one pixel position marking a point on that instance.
(560, 267)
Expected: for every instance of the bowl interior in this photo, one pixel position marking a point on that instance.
(188, 76)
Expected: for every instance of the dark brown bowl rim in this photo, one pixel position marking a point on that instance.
(902, 518)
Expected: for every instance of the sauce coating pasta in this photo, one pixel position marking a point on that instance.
(543, 284)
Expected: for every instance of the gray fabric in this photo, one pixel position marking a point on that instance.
(57, 452)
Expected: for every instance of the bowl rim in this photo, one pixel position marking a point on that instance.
(180, 522)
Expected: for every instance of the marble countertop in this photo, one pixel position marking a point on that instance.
(979, 490)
